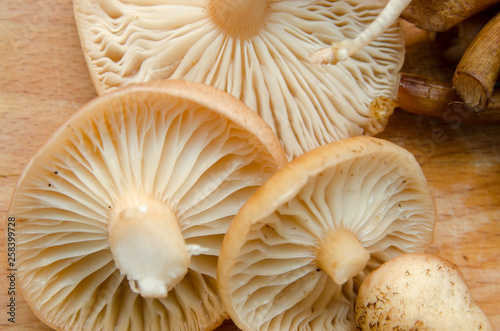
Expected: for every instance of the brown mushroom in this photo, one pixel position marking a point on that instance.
(296, 252)
(478, 70)
(439, 16)
(257, 51)
(120, 216)
(422, 95)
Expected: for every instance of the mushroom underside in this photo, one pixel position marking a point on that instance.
(278, 276)
(138, 147)
(269, 69)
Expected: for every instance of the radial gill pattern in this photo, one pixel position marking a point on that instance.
(306, 105)
(276, 281)
(195, 160)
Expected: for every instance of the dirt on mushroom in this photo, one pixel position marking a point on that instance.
(418, 291)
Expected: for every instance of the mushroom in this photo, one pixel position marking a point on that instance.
(296, 252)
(477, 72)
(418, 291)
(257, 51)
(441, 16)
(120, 215)
(426, 96)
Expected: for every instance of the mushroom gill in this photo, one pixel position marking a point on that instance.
(257, 51)
(120, 216)
(296, 253)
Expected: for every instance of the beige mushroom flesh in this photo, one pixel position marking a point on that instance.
(297, 251)
(418, 291)
(257, 51)
(120, 216)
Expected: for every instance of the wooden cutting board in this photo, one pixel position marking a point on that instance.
(44, 79)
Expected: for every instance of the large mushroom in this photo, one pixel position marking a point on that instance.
(295, 254)
(120, 216)
(257, 51)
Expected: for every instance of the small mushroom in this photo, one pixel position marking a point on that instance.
(426, 96)
(418, 291)
(257, 51)
(120, 216)
(297, 251)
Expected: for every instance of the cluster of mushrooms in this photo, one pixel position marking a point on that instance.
(226, 171)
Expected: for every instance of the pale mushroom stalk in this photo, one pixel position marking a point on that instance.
(239, 18)
(147, 245)
(341, 255)
(342, 50)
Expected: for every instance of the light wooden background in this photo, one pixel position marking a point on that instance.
(44, 79)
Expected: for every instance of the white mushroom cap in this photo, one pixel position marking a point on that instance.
(418, 291)
(120, 216)
(297, 251)
(257, 51)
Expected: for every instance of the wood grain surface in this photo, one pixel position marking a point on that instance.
(44, 79)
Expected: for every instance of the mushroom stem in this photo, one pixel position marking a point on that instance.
(340, 51)
(341, 255)
(147, 246)
(238, 18)
(422, 95)
(440, 16)
(477, 73)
